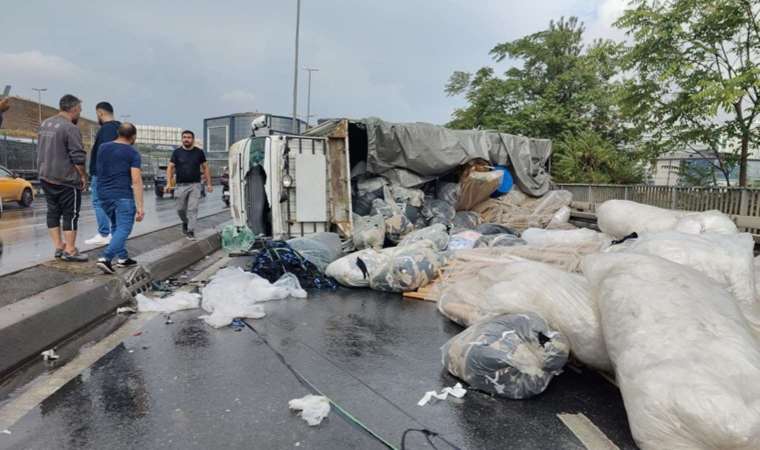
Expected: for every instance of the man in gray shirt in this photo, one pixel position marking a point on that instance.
(61, 162)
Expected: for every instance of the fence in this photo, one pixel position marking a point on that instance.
(742, 204)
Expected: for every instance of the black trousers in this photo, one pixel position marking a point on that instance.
(63, 204)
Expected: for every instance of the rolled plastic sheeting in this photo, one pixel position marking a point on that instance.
(512, 356)
(685, 358)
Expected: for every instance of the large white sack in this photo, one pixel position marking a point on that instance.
(712, 221)
(233, 293)
(684, 356)
(348, 271)
(561, 298)
(580, 236)
(727, 259)
(619, 218)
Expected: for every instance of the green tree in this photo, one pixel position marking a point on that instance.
(560, 88)
(587, 157)
(695, 77)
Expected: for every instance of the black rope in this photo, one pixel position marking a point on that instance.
(428, 437)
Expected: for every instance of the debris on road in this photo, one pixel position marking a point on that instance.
(49, 355)
(312, 408)
(177, 301)
(456, 391)
(126, 310)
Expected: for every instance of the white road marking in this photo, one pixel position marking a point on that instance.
(586, 432)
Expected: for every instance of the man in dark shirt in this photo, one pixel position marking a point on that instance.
(61, 167)
(107, 133)
(121, 194)
(188, 161)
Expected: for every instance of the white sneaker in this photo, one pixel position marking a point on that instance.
(98, 240)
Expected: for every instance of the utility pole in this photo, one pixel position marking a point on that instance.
(308, 96)
(39, 104)
(296, 129)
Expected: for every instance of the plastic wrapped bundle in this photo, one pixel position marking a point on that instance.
(367, 191)
(518, 211)
(466, 220)
(408, 196)
(685, 358)
(356, 269)
(319, 248)
(447, 192)
(563, 299)
(464, 240)
(278, 258)
(498, 240)
(408, 268)
(706, 222)
(438, 211)
(619, 218)
(434, 233)
(513, 356)
(397, 225)
(561, 217)
(369, 232)
(237, 239)
(476, 187)
(579, 237)
(495, 228)
(725, 258)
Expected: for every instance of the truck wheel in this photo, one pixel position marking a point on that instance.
(26, 198)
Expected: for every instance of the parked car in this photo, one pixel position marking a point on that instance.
(159, 182)
(14, 188)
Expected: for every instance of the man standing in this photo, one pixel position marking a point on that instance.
(188, 161)
(106, 133)
(61, 160)
(121, 194)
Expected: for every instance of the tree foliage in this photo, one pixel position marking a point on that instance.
(561, 89)
(695, 77)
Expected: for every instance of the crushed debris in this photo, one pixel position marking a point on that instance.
(456, 391)
(312, 408)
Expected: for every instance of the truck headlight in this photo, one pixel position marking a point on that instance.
(287, 181)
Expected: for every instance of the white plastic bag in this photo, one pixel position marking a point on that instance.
(706, 222)
(580, 236)
(175, 302)
(684, 356)
(725, 258)
(233, 293)
(348, 271)
(520, 286)
(312, 408)
(619, 218)
(562, 216)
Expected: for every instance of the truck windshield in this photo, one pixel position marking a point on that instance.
(256, 149)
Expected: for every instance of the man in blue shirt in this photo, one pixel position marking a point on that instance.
(106, 133)
(120, 191)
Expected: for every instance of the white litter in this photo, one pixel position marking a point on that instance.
(685, 358)
(455, 391)
(233, 293)
(49, 355)
(619, 218)
(6, 431)
(313, 408)
(126, 310)
(176, 302)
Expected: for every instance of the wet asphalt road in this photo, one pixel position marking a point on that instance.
(186, 385)
(23, 231)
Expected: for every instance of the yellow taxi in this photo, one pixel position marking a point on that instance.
(15, 189)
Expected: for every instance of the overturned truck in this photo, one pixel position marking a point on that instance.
(288, 186)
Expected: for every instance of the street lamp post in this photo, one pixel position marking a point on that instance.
(308, 96)
(39, 103)
(296, 130)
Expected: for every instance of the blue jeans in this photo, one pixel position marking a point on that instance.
(123, 210)
(105, 223)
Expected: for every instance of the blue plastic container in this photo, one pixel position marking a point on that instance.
(506, 181)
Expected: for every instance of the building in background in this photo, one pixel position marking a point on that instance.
(162, 136)
(219, 133)
(688, 169)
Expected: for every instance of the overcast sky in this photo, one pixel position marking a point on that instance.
(176, 62)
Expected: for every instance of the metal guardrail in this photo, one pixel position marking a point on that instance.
(742, 204)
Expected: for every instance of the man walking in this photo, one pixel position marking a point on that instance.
(106, 133)
(188, 161)
(121, 194)
(61, 163)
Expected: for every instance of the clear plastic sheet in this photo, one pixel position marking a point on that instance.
(435, 233)
(356, 269)
(369, 232)
(408, 268)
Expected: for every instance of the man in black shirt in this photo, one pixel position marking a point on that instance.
(188, 161)
(108, 132)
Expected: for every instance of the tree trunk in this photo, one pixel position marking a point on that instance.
(743, 159)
